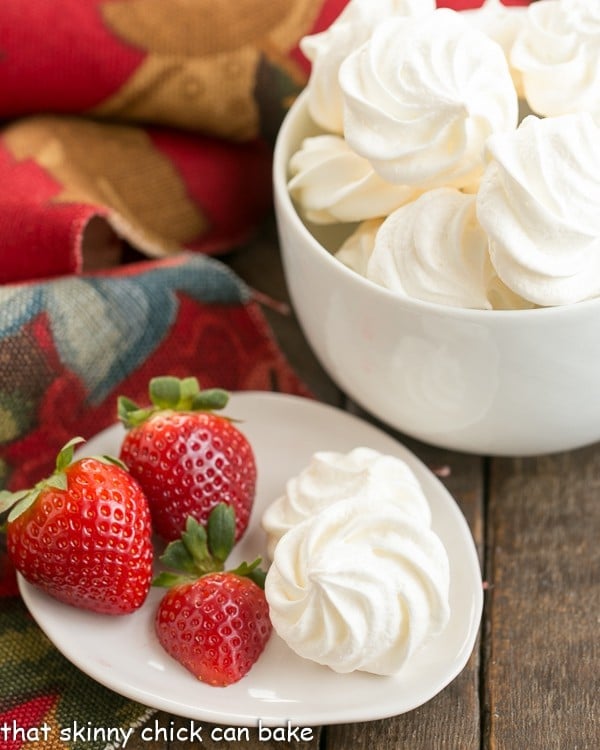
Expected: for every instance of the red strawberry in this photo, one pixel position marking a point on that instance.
(187, 458)
(83, 535)
(216, 625)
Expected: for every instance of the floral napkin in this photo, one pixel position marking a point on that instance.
(148, 121)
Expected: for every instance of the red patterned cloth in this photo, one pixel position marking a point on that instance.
(81, 169)
(73, 191)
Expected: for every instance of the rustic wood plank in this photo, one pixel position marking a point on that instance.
(450, 721)
(543, 665)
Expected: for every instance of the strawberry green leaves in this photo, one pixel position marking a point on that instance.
(18, 502)
(202, 550)
(167, 392)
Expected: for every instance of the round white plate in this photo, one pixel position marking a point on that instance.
(123, 653)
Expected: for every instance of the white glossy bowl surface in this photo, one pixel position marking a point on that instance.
(491, 382)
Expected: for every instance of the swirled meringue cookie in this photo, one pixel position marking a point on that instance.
(501, 23)
(331, 476)
(422, 95)
(360, 586)
(327, 50)
(538, 202)
(434, 249)
(558, 55)
(330, 183)
(356, 249)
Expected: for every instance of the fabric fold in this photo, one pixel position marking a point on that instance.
(161, 191)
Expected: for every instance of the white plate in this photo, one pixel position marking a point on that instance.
(123, 653)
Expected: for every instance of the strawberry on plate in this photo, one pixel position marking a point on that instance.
(214, 622)
(83, 535)
(186, 457)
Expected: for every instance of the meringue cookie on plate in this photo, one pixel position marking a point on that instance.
(359, 586)
(331, 476)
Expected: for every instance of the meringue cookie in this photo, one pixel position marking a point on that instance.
(331, 476)
(434, 249)
(538, 202)
(422, 95)
(356, 249)
(501, 23)
(359, 586)
(330, 183)
(327, 50)
(558, 56)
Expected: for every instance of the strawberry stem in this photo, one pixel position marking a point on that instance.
(66, 453)
(175, 394)
(188, 556)
(252, 571)
(203, 550)
(18, 502)
(221, 531)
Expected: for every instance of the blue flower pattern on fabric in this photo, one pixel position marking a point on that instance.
(105, 326)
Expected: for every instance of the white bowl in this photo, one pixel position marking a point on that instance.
(495, 382)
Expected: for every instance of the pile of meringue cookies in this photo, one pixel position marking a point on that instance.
(461, 148)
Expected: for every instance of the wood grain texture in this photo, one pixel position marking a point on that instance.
(450, 721)
(542, 674)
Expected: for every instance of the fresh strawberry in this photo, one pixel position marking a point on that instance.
(83, 535)
(187, 458)
(214, 622)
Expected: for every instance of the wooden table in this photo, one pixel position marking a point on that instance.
(533, 679)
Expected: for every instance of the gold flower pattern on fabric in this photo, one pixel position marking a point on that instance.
(115, 166)
(200, 72)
